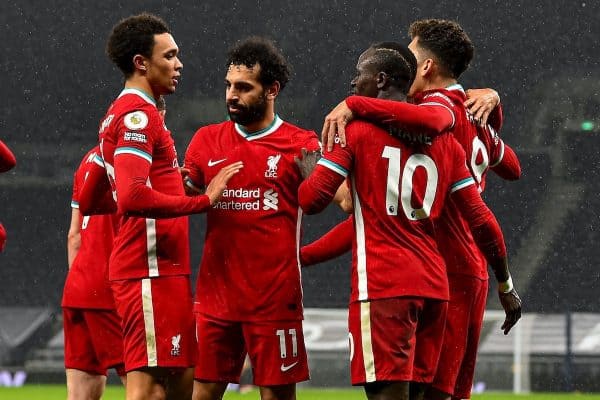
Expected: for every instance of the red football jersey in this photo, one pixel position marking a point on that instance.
(250, 265)
(483, 149)
(144, 247)
(399, 190)
(87, 283)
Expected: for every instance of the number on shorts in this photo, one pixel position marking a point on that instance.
(282, 342)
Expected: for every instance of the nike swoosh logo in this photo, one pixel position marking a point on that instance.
(284, 367)
(212, 163)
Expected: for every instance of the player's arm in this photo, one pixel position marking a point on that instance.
(135, 197)
(506, 165)
(2, 237)
(490, 240)
(485, 106)
(331, 245)
(95, 195)
(319, 189)
(7, 158)
(428, 119)
(74, 235)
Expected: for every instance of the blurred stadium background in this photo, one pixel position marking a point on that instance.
(541, 56)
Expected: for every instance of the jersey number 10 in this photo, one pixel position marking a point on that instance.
(398, 178)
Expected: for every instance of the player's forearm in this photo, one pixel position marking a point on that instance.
(7, 158)
(411, 118)
(137, 199)
(317, 191)
(509, 167)
(331, 245)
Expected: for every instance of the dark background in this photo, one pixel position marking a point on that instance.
(57, 83)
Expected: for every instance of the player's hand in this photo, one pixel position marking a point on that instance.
(215, 188)
(511, 303)
(335, 124)
(184, 172)
(308, 161)
(480, 103)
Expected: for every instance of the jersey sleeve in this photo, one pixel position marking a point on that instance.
(317, 191)
(460, 177)
(137, 135)
(75, 192)
(484, 226)
(332, 244)
(2, 237)
(431, 117)
(507, 165)
(496, 117)
(95, 194)
(7, 158)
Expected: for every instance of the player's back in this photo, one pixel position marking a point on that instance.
(87, 285)
(482, 147)
(144, 247)
(399, 191)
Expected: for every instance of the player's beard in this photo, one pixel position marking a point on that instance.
(246, 115)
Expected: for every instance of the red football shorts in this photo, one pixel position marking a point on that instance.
(275, 348)
(157, 321)
(397, 339)
(461, 338)
(93, 341)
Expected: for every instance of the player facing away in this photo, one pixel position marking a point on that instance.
(444, 51)
(7, 162)
(399, 188)
(248, 293)
(149, 264)
(92, 329)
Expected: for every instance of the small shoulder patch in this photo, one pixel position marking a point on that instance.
(136, 120)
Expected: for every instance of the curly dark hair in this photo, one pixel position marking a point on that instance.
(447, 41)
(397, 61)
(261, 51)
(133, 35)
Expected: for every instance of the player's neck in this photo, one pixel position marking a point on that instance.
(392, 93)
(265, 122)
(142, 84)
(439, 82)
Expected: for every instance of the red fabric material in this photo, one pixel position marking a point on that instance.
(2, 237)
(7, 158)
(95, 195)
(426, 119)
(317, 191)
(510, 167)
(93, 340)
(135, 198)
(331, 245)
(496, 118)
(170, 298)
(486, 230)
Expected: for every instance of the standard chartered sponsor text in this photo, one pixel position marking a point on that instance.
(239, 194)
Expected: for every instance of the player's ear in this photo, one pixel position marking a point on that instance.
(382, 80)
(273, 90)
(427, 67)
(139, 62)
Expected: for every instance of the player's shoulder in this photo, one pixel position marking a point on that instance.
(296, 130)
(358, 127)
(444, 97)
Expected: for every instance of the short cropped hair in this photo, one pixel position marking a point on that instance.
(261, 51)
(403, 75)
(133, 35)
(447, 41)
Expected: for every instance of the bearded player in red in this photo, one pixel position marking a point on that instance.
(399, 282)
(92, 328)
(248, 292)
(149, 264)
